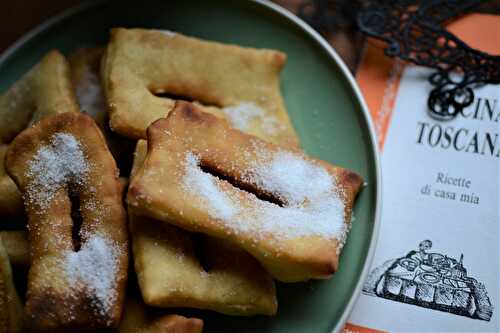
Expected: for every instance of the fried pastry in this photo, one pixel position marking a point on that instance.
(11, 312)
(240, 84)
(289, 211)
(137, 318)
(171, 273)
(77, 224)
(16, 246)
(84, 64)
(43, 91)
(85, 68)
(228, 280)
(11, 202)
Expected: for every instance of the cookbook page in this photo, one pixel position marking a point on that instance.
(436, 267)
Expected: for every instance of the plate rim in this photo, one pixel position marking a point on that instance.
(305, 27)
(371, 129)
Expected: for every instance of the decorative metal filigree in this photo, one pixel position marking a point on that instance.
(414, 31)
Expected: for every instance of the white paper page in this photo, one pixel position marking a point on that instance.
(465, 222)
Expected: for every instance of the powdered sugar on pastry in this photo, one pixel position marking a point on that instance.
(90, 95)
(242, 115)
(53, 165)
(221, 205)
(290, 178)
(313, 205)
(94, 268)
(167, 33)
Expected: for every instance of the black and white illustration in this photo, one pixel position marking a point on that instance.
(430, 280)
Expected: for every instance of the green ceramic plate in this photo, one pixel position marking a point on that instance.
(324, 103)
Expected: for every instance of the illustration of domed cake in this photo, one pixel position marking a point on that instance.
(430, 280)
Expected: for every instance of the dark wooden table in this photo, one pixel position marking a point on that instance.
(19, 16)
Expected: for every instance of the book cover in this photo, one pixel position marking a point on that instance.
(437, 263)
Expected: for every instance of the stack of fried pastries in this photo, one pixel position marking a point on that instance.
(222, 277)
(287, 210)
(218, 202)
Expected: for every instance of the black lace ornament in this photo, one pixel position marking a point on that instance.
(414, 32)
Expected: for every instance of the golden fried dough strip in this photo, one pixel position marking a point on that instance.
(241, 84)
(78, 273)
(17, 247)
(43, 91)
(11, 202)
(85, 66)
(171, 275)
(11, 311)
(294, 222)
